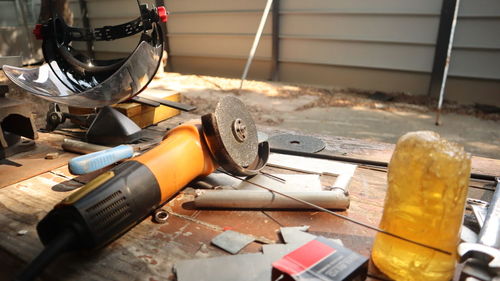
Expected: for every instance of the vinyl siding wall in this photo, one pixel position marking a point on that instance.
(383, 45)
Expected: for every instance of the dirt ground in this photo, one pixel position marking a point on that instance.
(374, 116)
(334, 112)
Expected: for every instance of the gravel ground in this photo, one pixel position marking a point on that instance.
(373, 116)
(352, 113)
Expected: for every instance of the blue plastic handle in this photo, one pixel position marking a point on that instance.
(94, 161)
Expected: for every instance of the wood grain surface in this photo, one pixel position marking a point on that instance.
(149, 251)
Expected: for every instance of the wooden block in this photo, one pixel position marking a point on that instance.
(80, 110)
(143, 115)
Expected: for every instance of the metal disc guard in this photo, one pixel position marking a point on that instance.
(231, 136)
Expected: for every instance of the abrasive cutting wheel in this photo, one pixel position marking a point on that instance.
(231, 136)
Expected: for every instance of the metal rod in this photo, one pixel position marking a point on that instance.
(442, 55)
(475, 176)
(342, 216)
(276, 42)
(256, 41)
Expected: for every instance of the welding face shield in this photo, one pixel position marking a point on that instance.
(73, 78)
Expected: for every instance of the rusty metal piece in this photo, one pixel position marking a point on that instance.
(160, 216)
(52, 155)
(15, 121)
(81, 146)
(231, 136)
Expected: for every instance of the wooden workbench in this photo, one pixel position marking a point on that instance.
(149, 250)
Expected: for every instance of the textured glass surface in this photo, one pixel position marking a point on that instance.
(428, 180)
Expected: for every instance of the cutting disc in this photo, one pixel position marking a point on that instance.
(231, 135)
(296, 143)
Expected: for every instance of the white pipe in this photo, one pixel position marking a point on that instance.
(257, 199)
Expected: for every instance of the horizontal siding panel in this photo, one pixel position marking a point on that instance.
(475, 64)
(478, 33)
(372, 55)
(225, 23)
(8, 14)
(479, 8)
(358, 78)
(382, 45)
(112, 9)
(218, 46)
(404, 29)
(380, 6)
(220, 5)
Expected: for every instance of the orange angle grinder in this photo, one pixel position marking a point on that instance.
(117, 200)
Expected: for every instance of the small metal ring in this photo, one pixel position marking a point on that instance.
(160, 216)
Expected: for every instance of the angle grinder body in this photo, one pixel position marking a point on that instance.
(117, 200)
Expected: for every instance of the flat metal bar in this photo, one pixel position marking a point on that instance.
(173, 104)
(145, 101)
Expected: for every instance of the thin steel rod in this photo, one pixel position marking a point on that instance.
(442, 55)
(341, 216)
(475, 176)
(256, 41)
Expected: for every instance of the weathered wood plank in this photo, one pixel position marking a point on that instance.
(149, 250)
(33, 163)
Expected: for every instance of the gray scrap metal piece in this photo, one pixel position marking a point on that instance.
(296, 235)
(246, 267)
(232, 241)
(299, 235)
(277, 251)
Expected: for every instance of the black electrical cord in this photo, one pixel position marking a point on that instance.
(56, 247)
